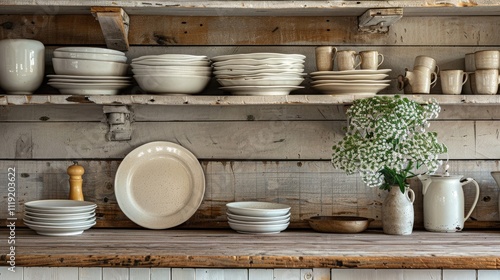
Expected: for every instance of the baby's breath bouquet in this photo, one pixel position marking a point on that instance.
(386, 141)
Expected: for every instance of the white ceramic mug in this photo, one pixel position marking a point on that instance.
(347, 60)
(371, 59)
(489, 59)
(422, 62)
(452, 81)
(487, 81)
(22, 65)
(325, 56)
(421, 81)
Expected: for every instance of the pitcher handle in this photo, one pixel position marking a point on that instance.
(412, 196)
(470, 180)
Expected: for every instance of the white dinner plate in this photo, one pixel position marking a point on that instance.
(260, 82)
(260, 67)
(60, 231)
(257, 56)
(170, 56)
(89, 77)
(369, 77)
(264, 229)
(58, 219)
(159, 185)
(60, 204)
(261, 71)
(351, 72)
(81, 215)
(258, 208)
(159, 62)
(58, 80)
(260, 90)
(249, 61)
(256, 218)
(367, 82)
(350, 89)
(88, 89)
(259, 223)
(88, 222)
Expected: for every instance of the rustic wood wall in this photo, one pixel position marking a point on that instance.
(265, 152)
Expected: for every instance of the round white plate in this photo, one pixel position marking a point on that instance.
(351, 72)
(258, 208)
(169, 56)
(261, 71)
(267, 61)
(60, 231)
(260, 82)
(158, 62)
(370, 77)
(27, 221)
(79, 215)
(256, 223)
(88, 89)
(367, 82)
(257, 219)
(89, 77)
(60, 211)
(264, 76)
(352, 89)
(257, 56)
(244, 228)
(60, 204)
(71, 81)
(260, 90)
(159, 185)
(89, 50)
(58, 219)
(260, 67)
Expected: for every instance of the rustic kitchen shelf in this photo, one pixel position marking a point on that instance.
(229, 100)
(249, 8)
(289, 249)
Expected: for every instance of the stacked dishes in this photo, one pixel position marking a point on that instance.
(89, 71)
(258, 217)
(362, 82)
(172, 73)
(59, 217)
(259, 73)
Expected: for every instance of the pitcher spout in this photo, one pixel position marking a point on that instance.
(426, 181)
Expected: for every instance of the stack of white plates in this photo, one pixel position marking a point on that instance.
(258, 217)
(172, 73)
(59, 217)
(259, 73)
(89, 71)
(350, 82)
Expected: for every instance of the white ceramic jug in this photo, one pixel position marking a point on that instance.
(444, 202)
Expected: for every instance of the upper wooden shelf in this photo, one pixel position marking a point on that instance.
(229, 100)
(255, 8)
(288, 249)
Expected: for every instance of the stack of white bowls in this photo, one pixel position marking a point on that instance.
(258, 217)
(172, 73)
(59, 217)
(362, 82)
(259, 73)
(89, 71)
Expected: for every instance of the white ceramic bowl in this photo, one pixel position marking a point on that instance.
(22, 65)
(159, 62)
(171, 72)
(258, 208)
(90, 50)
(178, 84)
(169, 56)
(68, 66)
(91, 56)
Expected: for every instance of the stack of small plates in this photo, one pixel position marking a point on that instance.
(259, 73)
(59, 217)
(172, 73)
(89, 71)
(258, 217)
(350, 82)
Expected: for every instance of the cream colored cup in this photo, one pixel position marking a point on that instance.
(347, 60)
(428, 62)
(489, 59)
(22, 65)
(325, 56)
(487, 81)
(452, 81)
(421, 81)
(371, 59)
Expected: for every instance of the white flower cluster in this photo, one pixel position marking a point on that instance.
(386, 137)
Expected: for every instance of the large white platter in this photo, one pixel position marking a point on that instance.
(159, 185)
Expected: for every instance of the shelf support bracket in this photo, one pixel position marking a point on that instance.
(114, 23)
(379, 20)
(119, 119)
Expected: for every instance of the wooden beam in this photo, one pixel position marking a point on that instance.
(114, 25)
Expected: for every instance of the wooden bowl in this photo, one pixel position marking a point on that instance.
(339, 224)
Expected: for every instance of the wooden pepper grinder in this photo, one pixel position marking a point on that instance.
(75, 173)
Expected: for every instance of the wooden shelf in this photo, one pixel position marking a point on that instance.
(229, 100)
(252, 8)
(289, 249)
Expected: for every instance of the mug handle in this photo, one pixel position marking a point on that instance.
(465, 77)
(476, 198)
(433, 81)
(358, 57)
(381, 56)
(411, 195)
(401, 82)
(437, 69)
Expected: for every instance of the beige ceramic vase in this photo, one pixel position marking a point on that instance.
(397, 212)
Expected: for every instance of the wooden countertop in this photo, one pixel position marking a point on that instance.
(226, 248)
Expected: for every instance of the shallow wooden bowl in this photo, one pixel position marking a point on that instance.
(339, 224)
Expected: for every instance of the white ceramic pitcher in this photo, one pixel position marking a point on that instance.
(444, 202)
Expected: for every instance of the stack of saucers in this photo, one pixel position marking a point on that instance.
(258, 217)
(362, 82)
(89, 71)
(172, 73)
(59, 217)
(259, 73)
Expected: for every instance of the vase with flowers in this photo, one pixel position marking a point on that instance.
(387, 142)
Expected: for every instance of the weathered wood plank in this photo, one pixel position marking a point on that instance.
(309, 187)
